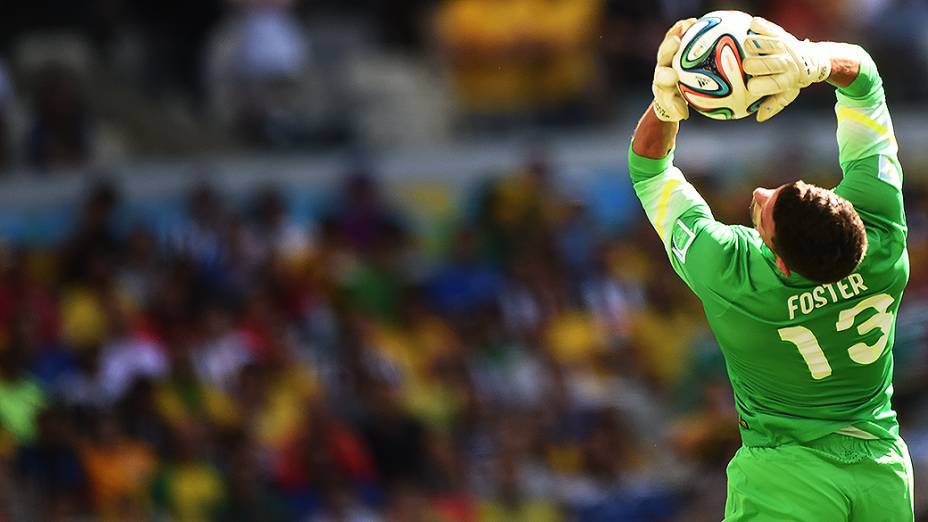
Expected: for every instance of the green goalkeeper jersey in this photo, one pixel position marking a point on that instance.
(805, 359)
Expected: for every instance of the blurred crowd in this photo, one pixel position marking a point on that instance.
(517, 360)
(517, 363)
(94, 80)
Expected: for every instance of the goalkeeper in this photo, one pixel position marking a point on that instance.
(804, 303)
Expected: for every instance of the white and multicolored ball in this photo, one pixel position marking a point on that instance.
(709, 66)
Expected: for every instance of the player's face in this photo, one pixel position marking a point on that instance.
(762, 212)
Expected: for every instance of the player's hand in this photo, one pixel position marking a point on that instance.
(781, 65)
(669, 104)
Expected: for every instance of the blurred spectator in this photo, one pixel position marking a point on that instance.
(396, 439)
(662, 334)
(516, 212)
(84, 319)
(362, 217)
(118, 470)
(372, 275)
(187, 488)
(251, 494)
(271, 43)
(94, 237)
(54, 482)
(222, 352)
(512, 503)
(130, 354)
(61, 134)
(520, 58)
(184, 401)
(707, 434)
(140, 416)
(608, 299)
(271, 234)
(272, 399)
(259, 59)
(523, 301)
(140, 267)
(203, 239)
(575, 236)
(465, 282)
(29, 311)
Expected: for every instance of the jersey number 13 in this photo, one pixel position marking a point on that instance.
(860, 353)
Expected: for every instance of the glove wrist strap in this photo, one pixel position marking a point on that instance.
(661, 112)
(816, 61)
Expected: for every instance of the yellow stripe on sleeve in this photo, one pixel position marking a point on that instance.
(847, 113)
(663, 204)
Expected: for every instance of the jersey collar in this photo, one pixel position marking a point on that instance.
(792, 280)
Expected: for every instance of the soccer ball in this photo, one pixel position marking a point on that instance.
(708, 64)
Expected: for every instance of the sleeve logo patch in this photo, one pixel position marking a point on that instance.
(681, 239)
(888, 172)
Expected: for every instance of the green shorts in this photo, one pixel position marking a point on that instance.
(832, 479)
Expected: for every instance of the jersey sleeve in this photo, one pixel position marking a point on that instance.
(705, 253)
(867, 149)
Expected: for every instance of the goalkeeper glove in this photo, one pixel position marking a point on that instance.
(669, 104)
(781, 65)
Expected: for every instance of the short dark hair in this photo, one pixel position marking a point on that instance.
(817, 233)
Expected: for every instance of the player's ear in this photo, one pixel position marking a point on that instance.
(782, 266)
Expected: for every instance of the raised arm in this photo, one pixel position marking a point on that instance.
(867, 148)
(781, 65)
(701, 250)
(660, 186)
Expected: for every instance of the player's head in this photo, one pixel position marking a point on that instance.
(813, 231)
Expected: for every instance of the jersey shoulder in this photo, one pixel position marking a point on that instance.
(722, 262)
(887, 258)
(874, 186)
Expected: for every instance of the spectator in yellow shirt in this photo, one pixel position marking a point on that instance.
(518, 56)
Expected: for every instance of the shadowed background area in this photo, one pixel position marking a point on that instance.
(318, 260)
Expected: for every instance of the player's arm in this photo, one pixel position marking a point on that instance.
(781, 65)
(700, 249)
(664, 192)
(867, 148)
(659, 185)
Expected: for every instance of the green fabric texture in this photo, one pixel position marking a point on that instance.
(835, 478)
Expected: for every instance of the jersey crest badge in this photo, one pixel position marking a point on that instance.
(680, 240)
